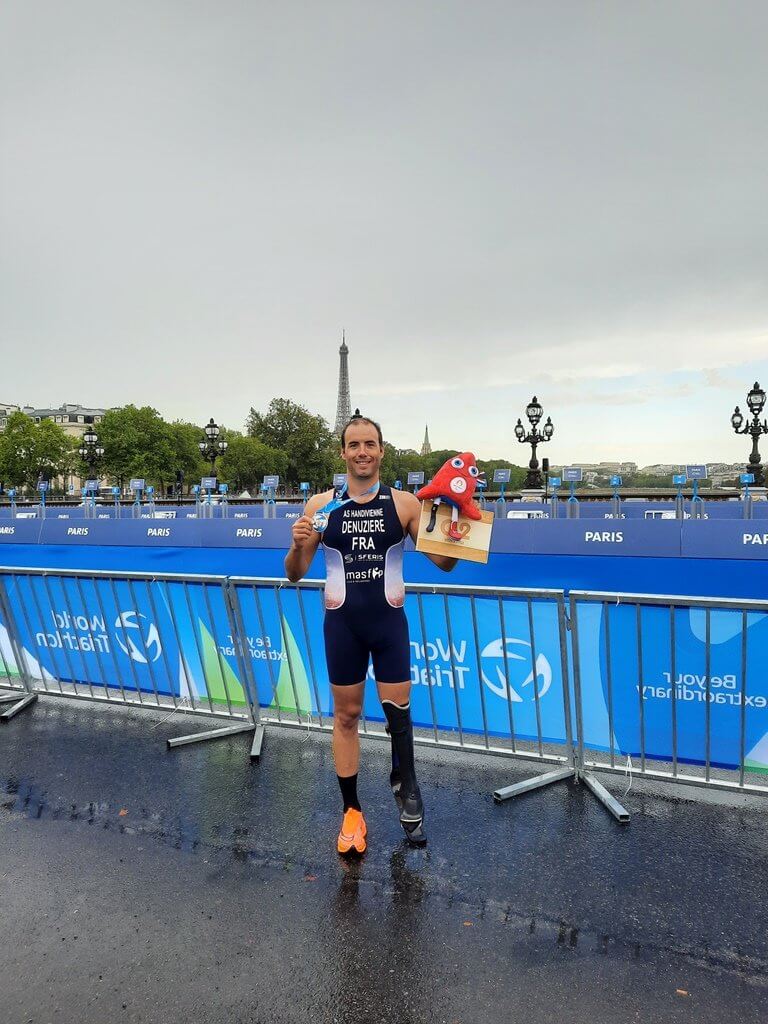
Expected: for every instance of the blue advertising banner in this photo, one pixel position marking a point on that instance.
(289, 511)
(139, 532)
(458, 683)
(744, 538)
(478, 668)
(248, 533)
(654, 689)
(615, 538)
(142, 636)
(20, 531)
(487, 664)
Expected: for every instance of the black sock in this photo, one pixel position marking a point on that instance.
(401, 733)
(348, 788)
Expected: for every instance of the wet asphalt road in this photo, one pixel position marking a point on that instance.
(138, 884)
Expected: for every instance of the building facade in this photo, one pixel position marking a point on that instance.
(5, 412)
(73, 419)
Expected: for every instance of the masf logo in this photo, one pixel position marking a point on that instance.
(134, 638)
(494, 653)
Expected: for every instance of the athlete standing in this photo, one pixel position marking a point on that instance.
(363, 533)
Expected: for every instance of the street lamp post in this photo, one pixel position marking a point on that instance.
(90, 451)
(210, 447)
(755, 401)
(534, 438)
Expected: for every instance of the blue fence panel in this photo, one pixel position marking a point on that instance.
(675, 684)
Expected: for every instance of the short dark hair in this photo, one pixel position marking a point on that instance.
(357, 418)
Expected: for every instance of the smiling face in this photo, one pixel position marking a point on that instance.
(362, 453)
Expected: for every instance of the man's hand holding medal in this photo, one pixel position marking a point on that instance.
(302, 531)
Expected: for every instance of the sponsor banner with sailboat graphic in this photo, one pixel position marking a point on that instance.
(486, 664)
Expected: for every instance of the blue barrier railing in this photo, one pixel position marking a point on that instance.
(666, 687)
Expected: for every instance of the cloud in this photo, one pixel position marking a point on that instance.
(525, 212)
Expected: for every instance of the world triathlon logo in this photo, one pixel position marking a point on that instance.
(140, 643)
(507, 668)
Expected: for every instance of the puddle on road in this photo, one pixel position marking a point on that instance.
(409, 882)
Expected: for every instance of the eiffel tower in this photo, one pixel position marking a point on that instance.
(343, 404)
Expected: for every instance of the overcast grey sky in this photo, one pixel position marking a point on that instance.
(493, 198)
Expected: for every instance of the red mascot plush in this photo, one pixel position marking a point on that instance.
(454, 483)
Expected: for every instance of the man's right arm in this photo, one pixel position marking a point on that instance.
(304, 540)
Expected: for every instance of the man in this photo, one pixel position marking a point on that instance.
(363, 533)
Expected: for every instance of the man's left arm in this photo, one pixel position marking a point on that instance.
(411, 507)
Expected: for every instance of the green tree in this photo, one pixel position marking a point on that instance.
(516, 476)
(305, 438)
(645, 481)
(389, 464)
(137, 443)
(247, 461)
(30, 450)
(185, 452)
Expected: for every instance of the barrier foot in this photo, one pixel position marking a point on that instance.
(258, 739)
(210, 734)
(11, 698)
(608, 801)
(19, 705)
(560, 775)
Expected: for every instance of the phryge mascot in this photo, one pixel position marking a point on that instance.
(454, 483)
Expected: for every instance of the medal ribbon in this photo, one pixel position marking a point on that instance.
(338, 501)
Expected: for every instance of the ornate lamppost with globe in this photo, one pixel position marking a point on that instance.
(534, 437)
(755, 401)
(90, 451)
(210, 447)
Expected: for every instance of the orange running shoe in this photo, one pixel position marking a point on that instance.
(353, 831)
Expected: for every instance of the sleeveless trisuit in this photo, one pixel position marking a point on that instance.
(364, 593)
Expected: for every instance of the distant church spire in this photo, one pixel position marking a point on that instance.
(343, 404)
(426, 448)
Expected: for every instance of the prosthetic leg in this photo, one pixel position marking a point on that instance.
(403, 777)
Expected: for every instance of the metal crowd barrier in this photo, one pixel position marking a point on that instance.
(431, 608)
(667, 688)
(672, 688)
(251, 649)
(80, 634)
(11, 678)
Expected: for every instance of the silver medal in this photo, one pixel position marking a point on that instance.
(320, 521)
